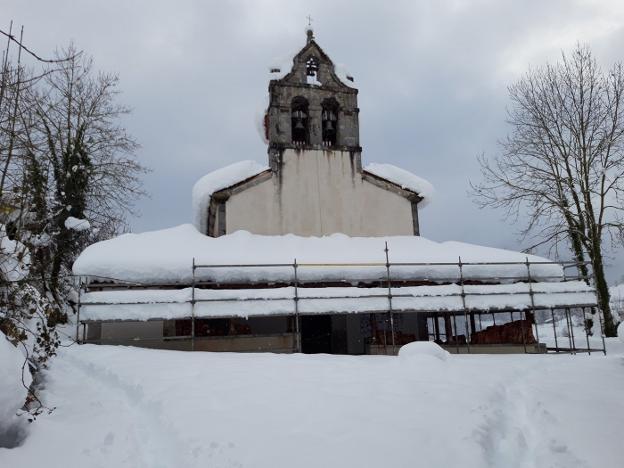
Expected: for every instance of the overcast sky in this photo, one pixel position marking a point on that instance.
(432, 76)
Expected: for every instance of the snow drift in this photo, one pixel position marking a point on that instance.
(126, 407)
(166, 256)
(12, 391)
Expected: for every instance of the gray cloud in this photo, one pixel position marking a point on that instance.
(432, 77)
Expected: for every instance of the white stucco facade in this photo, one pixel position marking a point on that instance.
(318, 192)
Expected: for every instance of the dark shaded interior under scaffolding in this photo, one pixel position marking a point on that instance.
(478, 314)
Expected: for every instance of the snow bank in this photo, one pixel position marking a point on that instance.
(423, 348)
(145, 304)
(12, 392)
(218, 180)
(620, 332)
(166, 256)
(404, 178)
(127, 407)
(77, 224)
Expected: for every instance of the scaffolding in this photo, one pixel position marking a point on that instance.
(442, 324)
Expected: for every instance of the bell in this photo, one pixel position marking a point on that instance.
(329, 125)
(299, 125)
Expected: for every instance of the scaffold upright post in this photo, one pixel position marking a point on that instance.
(568, 322)
(78, 311)
(586, 328)
(296, 300)
(552, 314)
(532, 297)
(602, 335)
(463, 299)
(390, 311)
(193, 309)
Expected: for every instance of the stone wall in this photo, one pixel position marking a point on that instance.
(316, 193)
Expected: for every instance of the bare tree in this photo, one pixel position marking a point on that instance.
(562, 165)
(84, 158)
(63, 155)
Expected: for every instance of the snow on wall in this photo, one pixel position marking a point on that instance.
(405, 179)
(144, 304)
(218, 180)
(166, 256)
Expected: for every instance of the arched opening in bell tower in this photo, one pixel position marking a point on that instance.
(329, 123)
(299, 121)
(312, 68)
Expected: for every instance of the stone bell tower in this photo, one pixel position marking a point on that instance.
(312, 108)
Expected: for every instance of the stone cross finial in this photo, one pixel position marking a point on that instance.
(309, 31)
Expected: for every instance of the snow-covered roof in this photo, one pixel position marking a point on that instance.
(403, 178)
(166, 256)
(170, 304)
(219, 180)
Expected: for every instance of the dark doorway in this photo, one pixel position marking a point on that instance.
(316, 334)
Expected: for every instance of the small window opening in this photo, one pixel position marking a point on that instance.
(329, 122)
(312, 68)
(299, 121)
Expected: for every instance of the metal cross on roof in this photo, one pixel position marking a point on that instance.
(309, 20)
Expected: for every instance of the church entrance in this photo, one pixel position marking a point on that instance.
(316, 334)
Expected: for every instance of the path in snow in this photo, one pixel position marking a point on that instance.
(521, 430)
(128, 407)
(156, 443)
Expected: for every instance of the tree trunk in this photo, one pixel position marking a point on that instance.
(602, 291)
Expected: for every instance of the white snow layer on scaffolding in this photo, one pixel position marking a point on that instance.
(148, 304)
(405, 179)
(218, 180)
(166, 256)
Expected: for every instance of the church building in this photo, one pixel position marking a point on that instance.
(314, 252)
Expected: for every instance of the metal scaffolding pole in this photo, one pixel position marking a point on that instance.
(522, 320)
(297, 319)
(390, 312)
(552, 313)
(586, 331)
(463, 298)
(567, 316)
(602, 335)
(531, 295)
(456, 333)
(436, 327)
(78, 311)
(572, 332)
(193, 309)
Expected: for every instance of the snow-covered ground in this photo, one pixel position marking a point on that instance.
(130, 407)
